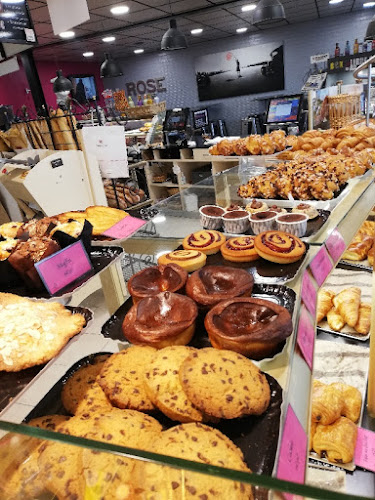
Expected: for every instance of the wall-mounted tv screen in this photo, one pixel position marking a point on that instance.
(84, 87)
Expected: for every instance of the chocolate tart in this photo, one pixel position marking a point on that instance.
(156, 279)
(252, 327)
(162, 320)
(212, 284)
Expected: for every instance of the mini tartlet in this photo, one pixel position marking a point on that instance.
(305, 208)
(206, 241)
(294, 223)
(236, 221)
(190, 260)
(211, 216)
(256, 206)
(262, 221)
(252, 327)
(239, 249)
(279, 247)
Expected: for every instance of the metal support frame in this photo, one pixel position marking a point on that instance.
(359, 75)
(32, 75)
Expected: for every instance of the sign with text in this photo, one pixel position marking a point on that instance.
(15, 22)
(64, 267)
(306, 336)
(319, 58)
(365, 449)
(336, 245)
(149, 86)
(126, 227)
(308, 293)
(321, 266)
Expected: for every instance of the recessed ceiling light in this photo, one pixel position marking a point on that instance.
(249, 7)
(335, 1)
(241, 30)
(119, 10)
(139, 51)
(368, 4)
(88, 54)
(67, 34)
(197, 31)
(108, 39)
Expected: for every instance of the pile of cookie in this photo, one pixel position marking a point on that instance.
(108, 398)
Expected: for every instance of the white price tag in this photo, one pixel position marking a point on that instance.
(319, 58)
(30, 35)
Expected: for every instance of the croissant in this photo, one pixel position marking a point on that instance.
(326, 404)
(336, 441)
(325, 303)
(213, 150)
(253, 144)
(368, 227)
(239, 147)
(225, 147)
(347, 304)
(352, 400)
(334, 320)
(266, 145)
(364, 319)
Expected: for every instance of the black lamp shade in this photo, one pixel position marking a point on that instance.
(110, 68)
(62, 84)
(370, 33)
(268, 12)
(173, 39)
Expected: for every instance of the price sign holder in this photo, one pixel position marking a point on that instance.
(306, 336)
(126, 227)
(321, 266)
(335, 245)
(365, 449)
(309, 293)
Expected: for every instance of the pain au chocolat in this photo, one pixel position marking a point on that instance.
(212, 284)
(156, 279)
(252, 327)
(162, 320)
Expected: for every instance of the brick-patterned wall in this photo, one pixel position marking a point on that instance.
(300, 41)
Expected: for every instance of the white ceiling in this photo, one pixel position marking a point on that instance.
(147, 21)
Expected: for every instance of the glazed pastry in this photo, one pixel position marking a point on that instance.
(352, 401)
(359, 248)
(253, 144)
(304, 208)
(225, 147)
(38, 228)
(212, 284)
(335, 320)
(347, 304)
(10, 229)
(240, 249)
(162, 320)
(337, 441)
(313, 427)
(364, 319)
(252, 327)
(6, 248)
(156, 279)
(190, 260)
(256, 206)
(370, 256)
(325, 303)
(73, 228)
(207, 242)
(239, 147)
(326, 405)
(279, 247)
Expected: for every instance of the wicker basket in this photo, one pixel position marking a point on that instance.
(344, 109)
(173, 191)
(145, 111)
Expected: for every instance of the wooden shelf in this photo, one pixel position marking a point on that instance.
(164, 184)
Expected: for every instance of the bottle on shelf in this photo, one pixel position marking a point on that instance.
(356, 46)
(347, 48)
(149, 100)
(337, 50)
(139, 100)
(360, 47)
(156, 99)
(131, 102)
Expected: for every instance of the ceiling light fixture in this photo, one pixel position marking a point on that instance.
(110, 68)
(368, 4)
(173, 38)
(139, 51)
(88, 54)
(108, 39)
(119, 10)
(332, 2)
(196, 31)
(61, 84)
(249, 7)
(241, 30)
(268, 12)
(67, 34)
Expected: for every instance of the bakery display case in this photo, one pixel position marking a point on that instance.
(209, 455)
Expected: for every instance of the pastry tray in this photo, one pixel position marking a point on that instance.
(101, 257)
(256, 436)
(364, 265)
(12, 383)
(279, 294)
(350, 333)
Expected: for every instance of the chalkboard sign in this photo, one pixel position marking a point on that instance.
(15, 23)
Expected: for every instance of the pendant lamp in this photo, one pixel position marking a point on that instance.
(61, 84)
(268, 12)
(110, 68)
(173, 38)
(370, 33)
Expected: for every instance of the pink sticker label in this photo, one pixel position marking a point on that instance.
(321, 266)
(293, 451)
(336, 245)
(64, 267)
(126, 227)
(306, 336)
(365, 449)
(308, 293)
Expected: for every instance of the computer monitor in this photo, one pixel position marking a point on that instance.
(284, 109)
(84, 87)
(200, 118)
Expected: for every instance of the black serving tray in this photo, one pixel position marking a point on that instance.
(279, 294)
(256, 436)
(12, 383)
(101, 257)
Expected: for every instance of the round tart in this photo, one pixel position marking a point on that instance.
(208, 242)
(239, 249)
(190, 260)
(256, 206)
(162, 320)
(212, 284)
(252, 327)
(279, 247)
(278, 210)
(305, 208)
(156, 279)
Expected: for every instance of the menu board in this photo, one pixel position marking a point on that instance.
(15, 23)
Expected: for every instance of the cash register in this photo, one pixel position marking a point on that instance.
(284, 113)
(175, 128)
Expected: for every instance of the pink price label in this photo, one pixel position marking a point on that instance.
(365, 449)
(293, 451)
(336, 245)
(308, 293)
(126, 227)
(64, 267)
(306, 336)
(321, 266)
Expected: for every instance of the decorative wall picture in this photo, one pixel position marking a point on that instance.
(252, 70)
